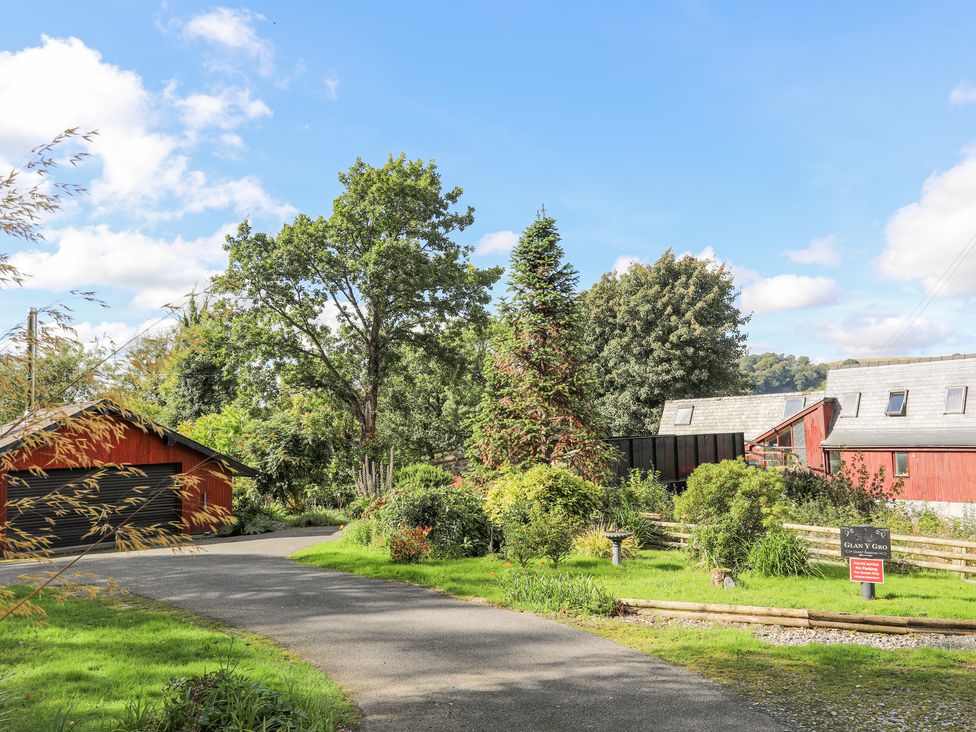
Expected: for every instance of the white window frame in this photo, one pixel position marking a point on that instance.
(857, 403)
(904, 403)
(965, 396)
(677, 416)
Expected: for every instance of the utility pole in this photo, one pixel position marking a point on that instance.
(31, 359)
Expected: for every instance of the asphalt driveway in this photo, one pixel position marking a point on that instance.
(413, 659)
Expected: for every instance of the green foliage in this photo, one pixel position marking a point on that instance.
(552, 488)
(384, 263)
(359, 532)
(641, 492)
(517, 537)
(733, 505)
(537, 407)
(592, 543)
(202, 372)
(409, 544)
(317, 517)
(427, 403)
(550, 532)
(258, 523)
(644, 491)
(770, 373)
(422, 476)
(667, 330)
(454, 514)
(219, 700)
(66, 373)
(293, 446)
(780, 553)
(854, 494)
(558, 593)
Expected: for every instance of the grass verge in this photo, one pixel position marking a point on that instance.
(93, 656)
(664, 575)
(816, 686)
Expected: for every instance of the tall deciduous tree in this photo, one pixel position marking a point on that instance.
(537, 407)
(429, 403)
(336, 300)
(661, 331)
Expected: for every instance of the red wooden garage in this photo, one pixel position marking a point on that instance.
(129, 454)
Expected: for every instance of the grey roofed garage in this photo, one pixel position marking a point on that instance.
(752, 414)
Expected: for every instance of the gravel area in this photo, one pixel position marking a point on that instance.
(804, 705)
(787, 636)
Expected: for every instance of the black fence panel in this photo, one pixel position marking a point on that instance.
(675, 456)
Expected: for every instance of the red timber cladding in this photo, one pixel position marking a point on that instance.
(815, 424)
(138, 447)
(933, 475)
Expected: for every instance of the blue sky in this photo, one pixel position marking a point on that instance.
(824, 152)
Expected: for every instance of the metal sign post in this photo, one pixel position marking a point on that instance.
(866, 547)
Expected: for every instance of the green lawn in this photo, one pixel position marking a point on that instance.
(665, 575)
(94, 656)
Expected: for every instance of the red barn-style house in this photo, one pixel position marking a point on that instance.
(102, 439)
(914, 417)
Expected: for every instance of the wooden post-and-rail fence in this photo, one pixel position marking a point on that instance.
(928, 552)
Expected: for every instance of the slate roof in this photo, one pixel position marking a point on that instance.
(924, 424)
(900, 438)
(12, 434)
(752, 414)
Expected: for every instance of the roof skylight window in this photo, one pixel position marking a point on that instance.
(956, 400)
(897, 402)
(683, 415)
(793, 405)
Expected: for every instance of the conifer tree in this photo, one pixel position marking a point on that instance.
(537, 407)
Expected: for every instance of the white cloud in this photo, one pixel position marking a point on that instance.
(116, 334)
(230, 108)
(865, 332)
(497, 242)
(820, 251)
(924, 239)
(157, 271)
(622, 264)
(233, 31)
(145, 172)
(789, 292)
(963, 93)
(332, 86)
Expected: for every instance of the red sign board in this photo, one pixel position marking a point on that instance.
(867, 570)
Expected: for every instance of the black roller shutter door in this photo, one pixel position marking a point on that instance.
(161, 507)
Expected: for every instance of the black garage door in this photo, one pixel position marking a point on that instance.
(155, 502)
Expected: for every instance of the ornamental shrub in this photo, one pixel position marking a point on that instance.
(551, 532)
(517, 537)
(552, 488)
(780, 553)
(643, 491)
(592, 543)
(421, 475)
(556, 593)
(454, 514)
(224, 700)
(409, 544)
(733, 505)
(358, 533)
